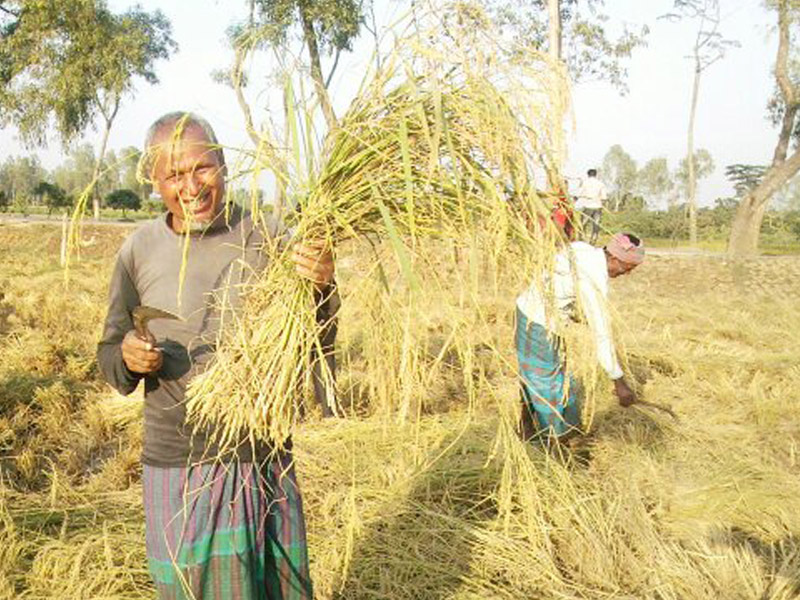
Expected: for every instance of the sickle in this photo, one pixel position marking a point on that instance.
(142, 315)
(661, 407)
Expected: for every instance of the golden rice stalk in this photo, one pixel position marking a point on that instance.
(434, 148)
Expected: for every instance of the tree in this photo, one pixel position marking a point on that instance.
(689, 174)
(19, 177)
(110, 174)
(326, 27)
(54, 197)
(124, 199)
(619, 174)
(128, 172)
(788, 197)
(578, 30)
(3, 201)
(71, 60)
(746, 224)
(654, 179)
(744, 178)
(76, 173)
(709, 47)
(554, 29)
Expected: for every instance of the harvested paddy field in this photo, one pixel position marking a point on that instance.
(422, 491)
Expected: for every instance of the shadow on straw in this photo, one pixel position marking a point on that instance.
(421, 545)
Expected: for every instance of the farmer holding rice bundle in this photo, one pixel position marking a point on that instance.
(220, 522)
(578, 281)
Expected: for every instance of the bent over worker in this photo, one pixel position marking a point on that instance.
(580, 274)
(217, 526)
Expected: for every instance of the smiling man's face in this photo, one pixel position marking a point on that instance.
(189, 176)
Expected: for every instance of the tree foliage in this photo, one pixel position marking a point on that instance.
(325, 27)
(53, 196)
(128, 162)
(703, 164)
(124, 200)
(654, 179)
(336, 23)
(744, 178)
(19, 177)
(589, 50)
(619, 173)
(710, 45)
(64, 61)
(76, 172)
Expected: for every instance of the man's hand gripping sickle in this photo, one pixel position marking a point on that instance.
(139, 351)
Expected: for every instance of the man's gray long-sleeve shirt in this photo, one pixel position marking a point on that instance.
(147, 272)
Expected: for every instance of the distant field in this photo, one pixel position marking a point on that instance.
(422, 491)
(771, 244)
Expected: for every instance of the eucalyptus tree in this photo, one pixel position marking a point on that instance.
(655, 181)
(128, 161)
(67, 62)
(619, 172)
(77, 170)
(277, 27)
(709, 46)
(574, 31)
(689, 173)
(19, 177)
(326, 28)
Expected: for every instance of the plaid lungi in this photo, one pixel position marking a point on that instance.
(552, 398)
(226, 531)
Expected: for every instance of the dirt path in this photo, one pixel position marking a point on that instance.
(15, 219)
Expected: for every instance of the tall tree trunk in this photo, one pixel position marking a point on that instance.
(98, 165)
(108, 117)
(691, 199)
(310, 37)
(746, 224)
(554, 28)
(262, 140)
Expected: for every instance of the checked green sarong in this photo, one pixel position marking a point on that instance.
(226, 531)
(554, 403)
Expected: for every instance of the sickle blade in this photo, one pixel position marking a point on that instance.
(142, 315)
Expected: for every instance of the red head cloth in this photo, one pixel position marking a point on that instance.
(625, 250)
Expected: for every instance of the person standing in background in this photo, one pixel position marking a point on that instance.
(591, 196)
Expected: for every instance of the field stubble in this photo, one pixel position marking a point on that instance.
(423, 490)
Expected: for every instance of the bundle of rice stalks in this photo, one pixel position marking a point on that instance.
(443, 142)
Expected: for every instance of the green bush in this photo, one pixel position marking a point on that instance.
(124, 200)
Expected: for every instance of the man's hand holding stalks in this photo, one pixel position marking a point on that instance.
(313, 260)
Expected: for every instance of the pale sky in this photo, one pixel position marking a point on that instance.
(650, 121)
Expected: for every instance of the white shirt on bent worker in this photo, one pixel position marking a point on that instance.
(591, 279)
(591, 194)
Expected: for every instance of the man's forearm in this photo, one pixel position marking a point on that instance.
(123, 298)
(109, 359)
